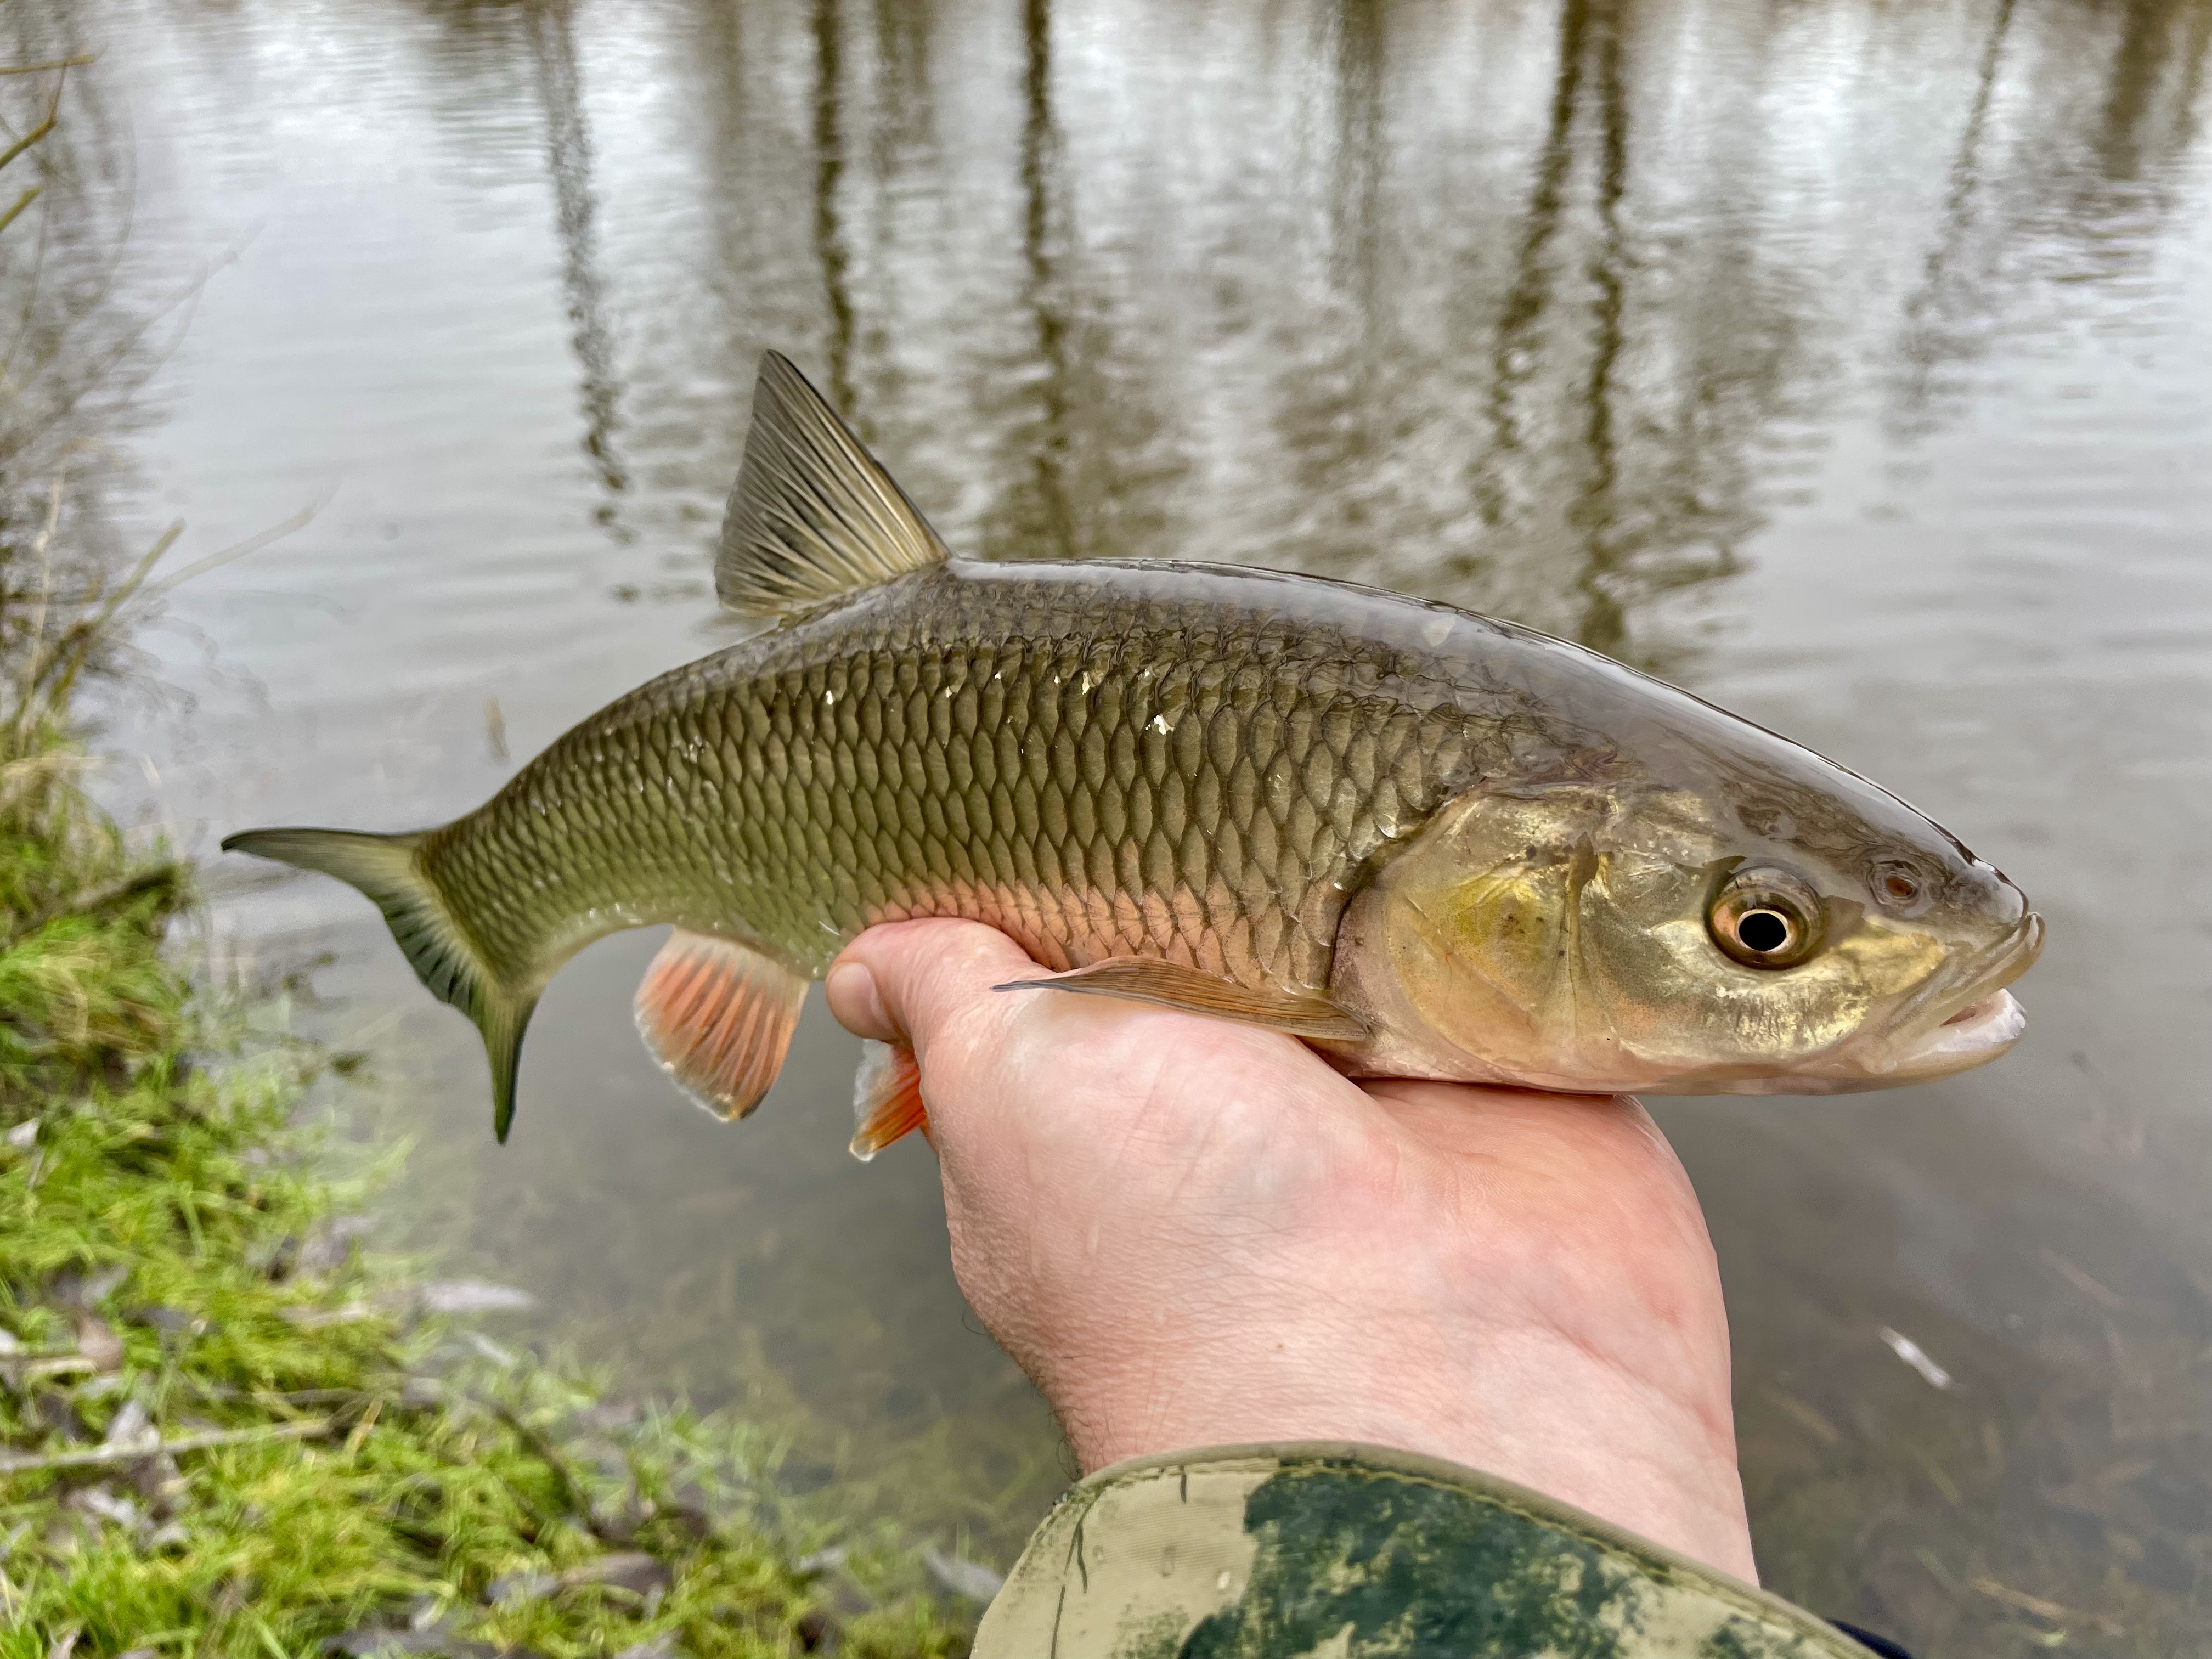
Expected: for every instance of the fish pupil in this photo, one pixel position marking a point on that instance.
(1763, 930)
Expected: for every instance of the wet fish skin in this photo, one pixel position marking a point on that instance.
(1181, 762)
(1487, 854)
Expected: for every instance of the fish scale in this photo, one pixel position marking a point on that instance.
(914, 754)
(1435, 844)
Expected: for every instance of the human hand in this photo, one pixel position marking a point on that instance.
(1194, 1233)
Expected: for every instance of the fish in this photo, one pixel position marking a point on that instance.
(1427, 843)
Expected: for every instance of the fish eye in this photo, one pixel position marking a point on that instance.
(1766, 918)
(1764, 931)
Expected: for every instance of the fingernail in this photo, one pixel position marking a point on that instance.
(857, 1003)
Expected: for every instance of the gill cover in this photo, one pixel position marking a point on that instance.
(1472, 930)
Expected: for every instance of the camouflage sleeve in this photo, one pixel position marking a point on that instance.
(1356, 1552)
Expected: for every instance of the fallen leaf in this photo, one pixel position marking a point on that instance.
(512, 1589)
(628, 1570)
(97, 1341)
(961, 1577)
(131, 1426)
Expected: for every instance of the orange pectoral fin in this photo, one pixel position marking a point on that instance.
(886, 1098)
(717, 1018)
(1144, 979)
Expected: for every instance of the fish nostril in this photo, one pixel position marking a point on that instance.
(1994, 895)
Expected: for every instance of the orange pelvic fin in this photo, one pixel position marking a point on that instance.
(886, 1098)
(717, 1018)
(1145, 978)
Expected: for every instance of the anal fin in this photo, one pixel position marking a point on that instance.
(717, 1018)
(886, 1098)
(1145, 979)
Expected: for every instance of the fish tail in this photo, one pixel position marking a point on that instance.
(390, 871)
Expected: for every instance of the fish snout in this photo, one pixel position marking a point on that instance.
(2014, 954)
(1981, 1019)
(1981, 895)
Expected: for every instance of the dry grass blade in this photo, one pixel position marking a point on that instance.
(103, 1456)
(29, 774)
(38, 134)
(21, 202)
(75, 61)
(52, 668)
(253, 544)
(90, 900)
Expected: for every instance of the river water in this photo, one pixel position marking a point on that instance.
(1851, 363)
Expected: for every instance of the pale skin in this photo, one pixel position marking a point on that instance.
(1192, 1233)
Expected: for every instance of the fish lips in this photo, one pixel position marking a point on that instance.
(1977, 1025)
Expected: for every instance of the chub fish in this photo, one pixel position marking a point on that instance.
(1428, 843)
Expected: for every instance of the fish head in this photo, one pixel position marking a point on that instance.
(1743, 934)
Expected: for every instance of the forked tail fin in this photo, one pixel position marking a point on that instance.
(387, 869)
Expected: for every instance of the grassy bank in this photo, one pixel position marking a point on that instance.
(226, 1430)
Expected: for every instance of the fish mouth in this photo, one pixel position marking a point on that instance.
(1981, 1030)
(1984, 1025)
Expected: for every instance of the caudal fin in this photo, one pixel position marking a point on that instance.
(388, 870)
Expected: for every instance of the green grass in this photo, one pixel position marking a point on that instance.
(171, 1265)
(304, 1456)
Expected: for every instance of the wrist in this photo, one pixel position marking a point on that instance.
(1277, 1546)
(1529, 1405)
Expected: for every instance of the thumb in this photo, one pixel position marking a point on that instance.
(918, 982)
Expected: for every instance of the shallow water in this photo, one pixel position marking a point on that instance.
(1849, 364)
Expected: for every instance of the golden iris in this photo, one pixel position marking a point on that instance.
(1766, 918)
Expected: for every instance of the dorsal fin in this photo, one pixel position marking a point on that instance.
(814, 515)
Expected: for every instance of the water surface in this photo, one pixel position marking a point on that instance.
(1849, 364)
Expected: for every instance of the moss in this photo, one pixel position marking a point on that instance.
(174, 1266)
(223, 1430)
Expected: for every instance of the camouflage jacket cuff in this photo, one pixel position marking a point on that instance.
(1314, 1548)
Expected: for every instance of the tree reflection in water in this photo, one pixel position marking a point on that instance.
(1569, 310)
